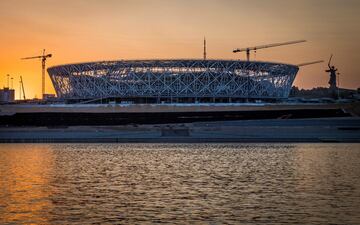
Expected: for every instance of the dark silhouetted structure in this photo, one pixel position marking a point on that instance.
(332, 72)
(43, 62)
(7, 95)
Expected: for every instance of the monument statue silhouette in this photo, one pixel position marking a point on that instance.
(332, 81)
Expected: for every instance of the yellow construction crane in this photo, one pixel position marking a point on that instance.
(43, 58)
(248, 49)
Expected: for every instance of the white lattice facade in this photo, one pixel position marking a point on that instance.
(173, 79)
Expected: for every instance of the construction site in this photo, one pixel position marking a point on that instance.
(154, 92)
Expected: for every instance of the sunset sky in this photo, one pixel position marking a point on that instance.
(91, 30)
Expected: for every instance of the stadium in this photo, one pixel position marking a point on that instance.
(129, 92)
(173, 81)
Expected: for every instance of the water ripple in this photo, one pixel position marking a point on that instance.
(179, 183)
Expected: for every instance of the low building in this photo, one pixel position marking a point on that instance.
(7, 95)
(48, 96)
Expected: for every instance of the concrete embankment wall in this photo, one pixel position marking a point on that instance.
(297, 130)
(161, 108)
(353, 109)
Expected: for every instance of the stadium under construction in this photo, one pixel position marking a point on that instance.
(168, 91)
(173, 81)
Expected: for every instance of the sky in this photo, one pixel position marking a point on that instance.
(96, 30)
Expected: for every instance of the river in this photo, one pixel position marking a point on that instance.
(179, 183)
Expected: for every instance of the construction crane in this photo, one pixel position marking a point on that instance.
(43, 58)
(22, 87)
(247, 50)
(310, 63)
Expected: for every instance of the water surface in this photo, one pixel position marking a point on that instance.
(179, 183)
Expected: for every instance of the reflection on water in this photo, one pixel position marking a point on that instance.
(24, 193)
(180, 183)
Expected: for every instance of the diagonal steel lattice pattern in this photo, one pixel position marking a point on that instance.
(173, 78)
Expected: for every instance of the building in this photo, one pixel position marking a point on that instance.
(190, 81)
(48, 96)
(248, 89)
(7, 95)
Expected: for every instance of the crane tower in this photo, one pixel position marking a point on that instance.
(43, 58)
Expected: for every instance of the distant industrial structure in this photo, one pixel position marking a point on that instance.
(43, 58)
(7, 95)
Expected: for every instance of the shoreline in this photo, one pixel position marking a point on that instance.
(177, 140)
(324, 130)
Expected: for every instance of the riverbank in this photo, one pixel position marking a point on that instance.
(279, 130)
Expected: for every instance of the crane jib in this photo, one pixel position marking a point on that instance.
(248, 49)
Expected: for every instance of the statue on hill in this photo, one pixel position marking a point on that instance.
(332, 72)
